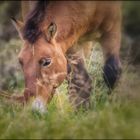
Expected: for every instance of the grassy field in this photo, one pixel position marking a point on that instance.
(113, 116)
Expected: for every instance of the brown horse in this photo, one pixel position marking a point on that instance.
(54, 34)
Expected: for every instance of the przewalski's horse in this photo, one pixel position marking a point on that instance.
(54, 33)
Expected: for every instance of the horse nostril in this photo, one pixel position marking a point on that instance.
(28, 94)
(20, 62)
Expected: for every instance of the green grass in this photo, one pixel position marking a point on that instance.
(114, 116)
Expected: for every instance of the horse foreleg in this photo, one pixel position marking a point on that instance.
(79, 82)
(111, 45)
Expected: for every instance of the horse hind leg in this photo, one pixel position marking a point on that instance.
(110, 42)
(79, 82)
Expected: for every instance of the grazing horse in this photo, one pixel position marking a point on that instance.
(56, 35)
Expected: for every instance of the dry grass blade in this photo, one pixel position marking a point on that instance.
(4, 94)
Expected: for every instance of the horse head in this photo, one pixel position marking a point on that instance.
(43, 62)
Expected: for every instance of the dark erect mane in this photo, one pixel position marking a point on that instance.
(31, 30)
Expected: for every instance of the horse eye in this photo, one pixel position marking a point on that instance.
(45, 62)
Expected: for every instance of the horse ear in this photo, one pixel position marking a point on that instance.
(18, 25)
(51, 31)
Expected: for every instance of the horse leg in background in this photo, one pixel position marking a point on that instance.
(110, 43)
(79, 81)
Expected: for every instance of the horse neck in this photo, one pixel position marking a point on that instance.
(72, 20)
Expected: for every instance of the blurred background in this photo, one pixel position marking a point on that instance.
(10, 72)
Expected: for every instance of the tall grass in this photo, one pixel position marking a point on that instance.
(110, 116)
